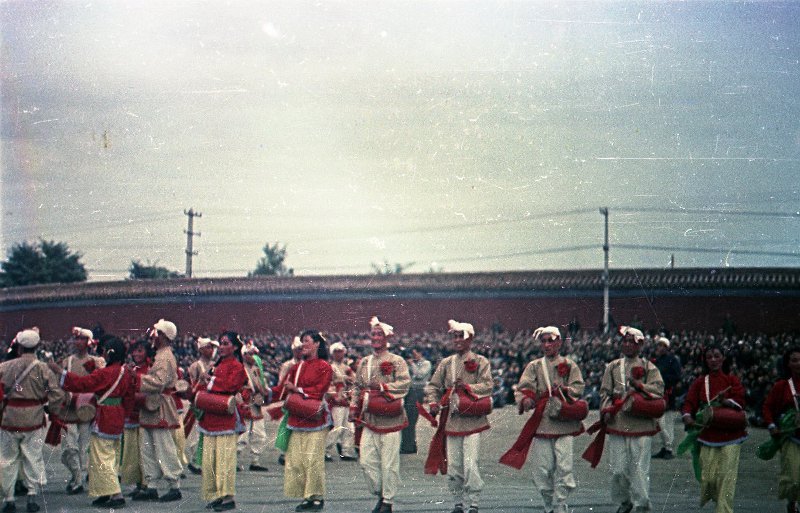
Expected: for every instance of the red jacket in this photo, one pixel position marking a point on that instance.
(696, 399)
(228, 380)
(315, 378)
(131, 412)
(110, 417)
(779, 401)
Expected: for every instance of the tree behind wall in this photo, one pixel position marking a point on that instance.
(140, 271)
(42, 262)
(272, 263)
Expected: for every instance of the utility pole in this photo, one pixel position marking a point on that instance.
(604, 212)
(189, 234)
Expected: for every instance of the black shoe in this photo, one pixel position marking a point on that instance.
(792, 507)
(225, 506)
(310, 505)
(145, 494)
(20, 489)
(103, 499)
(282, 459)
(117, 503)
(194, 469)
(328, 458)
(348, 458)
(661, 454)
(377, 507)
(258, 468)
(458, 509)
(385, 508)
(625, 507)
(74, 490)
(31, 506)
(473, 509)
(9, 507)
(172, 495)
(135, 491)
(213, 503)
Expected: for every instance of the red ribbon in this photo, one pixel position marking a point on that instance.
(518, 453)
(188, 422)
(424, 413)
(53, 436)
(594, 451)
(437, 452)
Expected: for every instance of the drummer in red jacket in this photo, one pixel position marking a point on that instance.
(113, 391)
(721, 396)
(221, 430)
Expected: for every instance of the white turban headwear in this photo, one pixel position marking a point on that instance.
(28, 338)
(464, 327)
(637, 334)
(552, 330)
(388, 330)
(203, 342)
(167, 328)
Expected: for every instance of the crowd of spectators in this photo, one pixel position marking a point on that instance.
(754, 356)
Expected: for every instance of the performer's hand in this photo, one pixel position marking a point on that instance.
(731, 404)
(460, 385)
(688, 421)
(374, 384)
(636, 383)
(526, 404)
(607, 417)
(435, 409)
(290, 387)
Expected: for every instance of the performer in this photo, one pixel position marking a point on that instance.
(382, 375)
(297, 355)
(420, 370)
(552, 378)
(178, 434)
(114, 390)
(458, 377)
(220, 430)
(255, 434)
(719, 444)
(671, 371)
(75, 443)
(27, 385)
(629, 436)
(207, 348)
(157, 445)
(308, 381)
(782, 402)
(339, 401)
(131, 466)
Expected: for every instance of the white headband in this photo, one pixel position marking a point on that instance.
(203, 342)
(461, 326)
(552, 330)
(387, 329)
(637, 334)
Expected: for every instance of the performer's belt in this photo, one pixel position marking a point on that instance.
(25, 403)
(111, 401)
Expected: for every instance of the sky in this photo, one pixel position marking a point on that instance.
(455, 136)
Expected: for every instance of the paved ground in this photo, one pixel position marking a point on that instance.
(673, 488)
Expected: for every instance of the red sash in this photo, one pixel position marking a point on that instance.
(437, 452)
(594, 451)
(518, 453)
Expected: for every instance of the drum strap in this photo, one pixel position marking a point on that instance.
(369, 376)
(708, 390)
(794, 394)
(114, 386)
(22, 376)
(69, 364)
(622, 375)
(546, 377)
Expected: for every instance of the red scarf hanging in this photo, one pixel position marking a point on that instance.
(518, 453)
(437, 452)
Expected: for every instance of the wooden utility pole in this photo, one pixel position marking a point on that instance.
(189, 234)
(604, 212)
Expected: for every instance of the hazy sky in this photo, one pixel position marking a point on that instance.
(464, 136)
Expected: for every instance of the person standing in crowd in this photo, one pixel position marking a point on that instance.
(221, 430)
(459, 376)
(157, 444)
(27, 385)
(75, 443)
(670, 368)
(552, 378)
(420, 370)
(297, 356)
(254, 438)
(630, 436)
(206, 349)
(381, 375)
(340, 439)
(720, 444)
(784, 400)
(114, 391)
(131, 466)
(308, 382)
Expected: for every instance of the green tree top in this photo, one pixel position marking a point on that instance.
(140, 271)
(41, 262)
(272, 263)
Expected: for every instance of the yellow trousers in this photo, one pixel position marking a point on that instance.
(720, 466)
(304, 472)
(789, 478)
(131, 467)
(103, 457)
(180, 444)
(219, 466)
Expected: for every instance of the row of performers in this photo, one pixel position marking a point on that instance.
(458, 401)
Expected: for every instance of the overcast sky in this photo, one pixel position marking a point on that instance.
(460, 136)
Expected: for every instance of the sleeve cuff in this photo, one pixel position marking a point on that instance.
(63, 378)
(211, 383)
(771, 425)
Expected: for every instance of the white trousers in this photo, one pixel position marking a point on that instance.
(552, 471)
(629, 458)
(159, 457)
(75, 450)
(342, 433)
(22, 448)
(380, 459)
(254, 438)
(667, 433)
(463, 476)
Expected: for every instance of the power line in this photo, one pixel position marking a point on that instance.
(753, 213)
(709, 250)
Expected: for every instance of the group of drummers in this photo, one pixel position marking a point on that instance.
(120, 421)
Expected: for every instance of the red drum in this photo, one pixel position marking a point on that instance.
(379, 405)
(303, 407)
(275, 410)
(559, 409)
(81, 408)
(215, 403)
(725, 419)
(638, 405)
(466, 406)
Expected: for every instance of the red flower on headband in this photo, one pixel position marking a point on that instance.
(471, 366)
(387, 368)
(637, 372)
(563, 369)
(89, 365)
